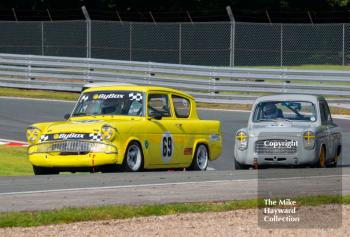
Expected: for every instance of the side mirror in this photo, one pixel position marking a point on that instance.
(66, 116)
(157, 116)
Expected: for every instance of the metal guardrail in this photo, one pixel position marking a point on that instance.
(208, 84)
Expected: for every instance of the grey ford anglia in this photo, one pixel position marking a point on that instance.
(288, 130)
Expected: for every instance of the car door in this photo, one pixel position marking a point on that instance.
(333, 131)
(328, 128)
(165, 135)
(182, 110)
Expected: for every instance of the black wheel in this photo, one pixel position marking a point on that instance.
(133, 159)
(43, 170)
(200, 159)
(239, 166)
(335, 161)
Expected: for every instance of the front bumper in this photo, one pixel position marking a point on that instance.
(73, 154)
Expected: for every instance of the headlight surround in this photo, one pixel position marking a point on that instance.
(107, 133)
(33, 134)
(309, 140)
(241, 140)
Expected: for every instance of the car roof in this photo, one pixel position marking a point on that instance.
(132, 87)
(283, 97)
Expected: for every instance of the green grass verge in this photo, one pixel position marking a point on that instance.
(69, 215)
(40, 94)
(14, 161)
(306, 67)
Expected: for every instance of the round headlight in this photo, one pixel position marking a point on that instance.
(309, 139)
(33, 134)
(107, 133)
(242, 140)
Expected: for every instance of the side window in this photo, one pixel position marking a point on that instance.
(323, 117)
(182, 106)
(158, 103)
(325, 113)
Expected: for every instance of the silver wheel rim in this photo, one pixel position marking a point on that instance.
(202, 157)
(133, 157)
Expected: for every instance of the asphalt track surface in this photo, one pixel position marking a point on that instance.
(49, 192)
(17, 114)
(58, 191)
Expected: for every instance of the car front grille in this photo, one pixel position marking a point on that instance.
(69, 147)
(262, 149)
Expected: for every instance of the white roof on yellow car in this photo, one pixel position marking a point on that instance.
(136, 88)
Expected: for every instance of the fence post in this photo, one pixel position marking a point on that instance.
(343, 59)
(42, 39)
(232, 44)
(232, 36)
(281, 49)
(180, 43)
(130, 41)
(88, 31)
(88, 38)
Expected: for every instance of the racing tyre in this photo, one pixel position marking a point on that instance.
(133, 160)
(43, 170)
(200, 159)
(335, 161)
(239, 166)
(322, 158)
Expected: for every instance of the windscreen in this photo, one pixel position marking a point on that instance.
(128, 103)
(285, 110)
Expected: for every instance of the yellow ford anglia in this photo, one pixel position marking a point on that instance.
(126, 127)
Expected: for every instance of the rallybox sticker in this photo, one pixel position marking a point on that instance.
(107, 96)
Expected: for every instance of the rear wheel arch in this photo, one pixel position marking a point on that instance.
(197, 143)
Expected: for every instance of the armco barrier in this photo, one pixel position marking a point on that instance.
(211, 84)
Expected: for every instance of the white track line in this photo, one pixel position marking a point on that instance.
(164, 184)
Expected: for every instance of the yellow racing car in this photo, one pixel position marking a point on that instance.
(126, 127)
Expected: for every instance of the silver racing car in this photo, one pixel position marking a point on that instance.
(288, 130)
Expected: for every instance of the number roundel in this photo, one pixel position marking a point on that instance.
(167, 147)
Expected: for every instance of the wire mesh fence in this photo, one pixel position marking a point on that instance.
(212, 44)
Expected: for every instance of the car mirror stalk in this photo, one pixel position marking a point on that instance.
(66, 116)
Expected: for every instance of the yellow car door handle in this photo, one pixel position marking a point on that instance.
(179, 125)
